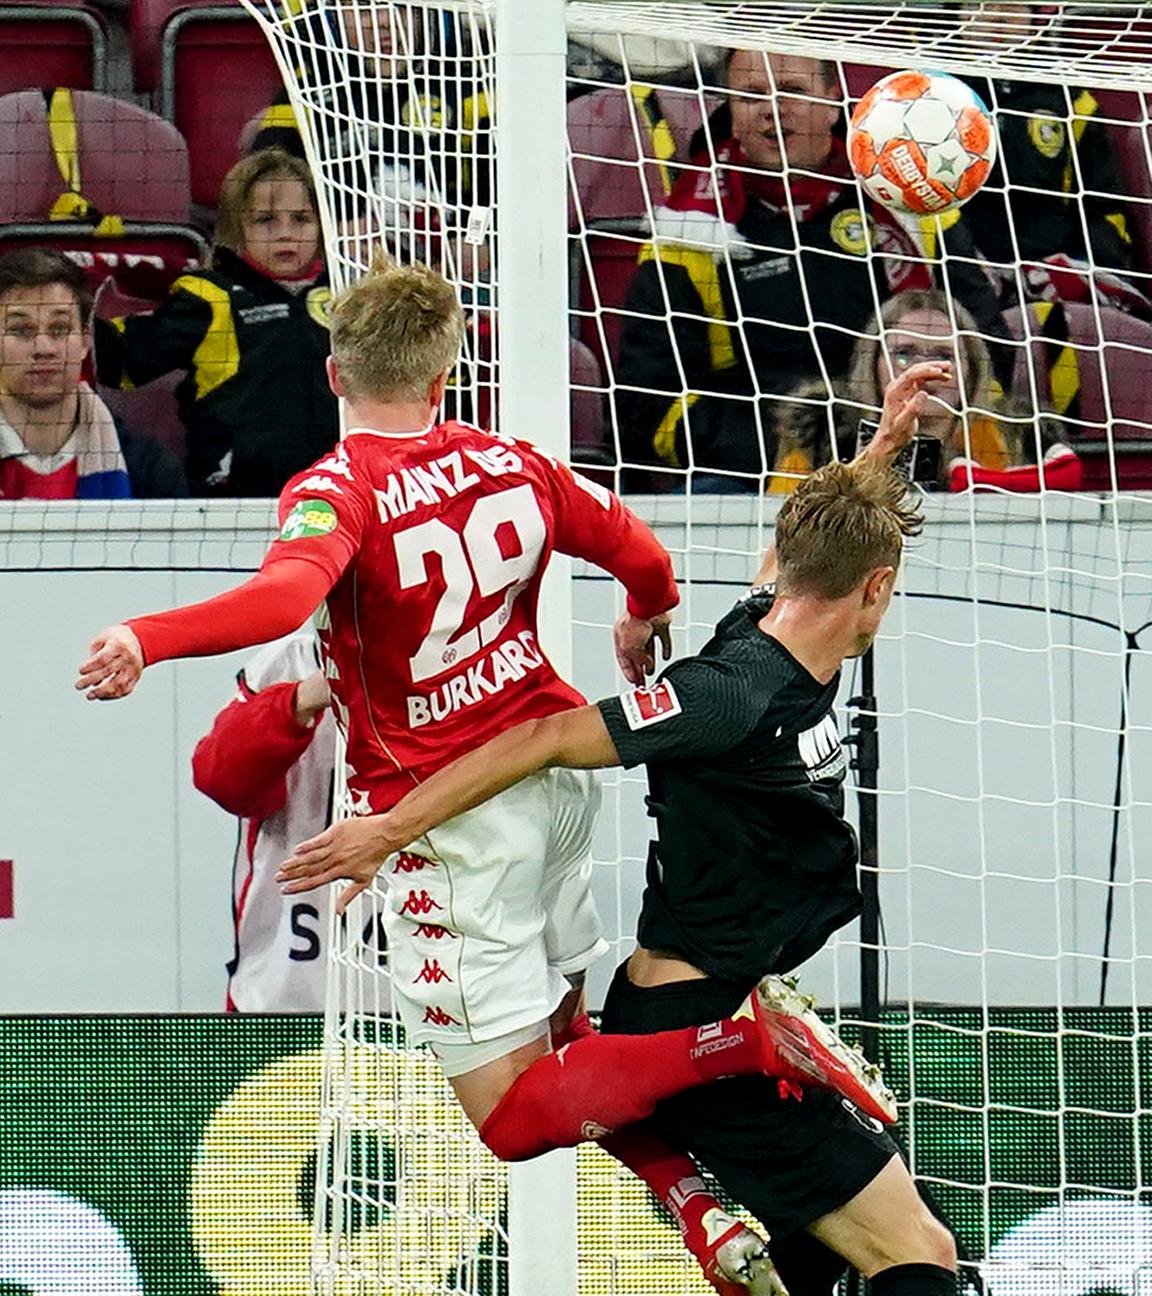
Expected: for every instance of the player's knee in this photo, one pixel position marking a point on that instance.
(507, 1137)
(920, 1240)
(935, 1243)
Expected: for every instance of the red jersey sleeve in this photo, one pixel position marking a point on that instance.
(274, 602)
(321, 523)
(322, 518)
(593, 523)
(243, 763)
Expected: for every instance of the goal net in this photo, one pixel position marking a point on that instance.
(735, 309)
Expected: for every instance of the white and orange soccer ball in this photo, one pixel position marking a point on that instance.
(921, 142)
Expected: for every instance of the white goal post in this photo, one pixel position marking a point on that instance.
(1012, 957)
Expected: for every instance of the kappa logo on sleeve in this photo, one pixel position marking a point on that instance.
(648, 706)
(312, 517)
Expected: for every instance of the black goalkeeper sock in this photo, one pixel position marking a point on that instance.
(913, 1280)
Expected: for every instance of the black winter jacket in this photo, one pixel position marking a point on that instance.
(255, 399)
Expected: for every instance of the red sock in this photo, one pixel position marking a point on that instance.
(578, 1026)
(671, 1176)
(598, 1083)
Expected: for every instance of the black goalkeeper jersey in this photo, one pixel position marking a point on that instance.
(753, 866)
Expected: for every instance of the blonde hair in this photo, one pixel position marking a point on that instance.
(395, 331)
(975, 370)
(823, 431)
(236, 190)
(840, 524)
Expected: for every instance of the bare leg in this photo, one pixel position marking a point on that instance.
(479, 1091)
(886, 1224)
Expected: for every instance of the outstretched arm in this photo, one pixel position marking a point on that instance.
(356, 848)
(276, 601)
(899, 421)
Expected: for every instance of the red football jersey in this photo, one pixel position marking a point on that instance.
(436, 544)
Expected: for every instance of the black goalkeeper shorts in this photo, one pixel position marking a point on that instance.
(787, 1162)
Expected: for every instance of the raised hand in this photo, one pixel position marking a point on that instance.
(114, 667)
(904, 402)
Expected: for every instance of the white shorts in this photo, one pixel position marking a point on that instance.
(488, 913)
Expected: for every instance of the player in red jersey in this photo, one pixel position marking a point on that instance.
(426, 543)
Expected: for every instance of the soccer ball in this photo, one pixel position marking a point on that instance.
(921, 142)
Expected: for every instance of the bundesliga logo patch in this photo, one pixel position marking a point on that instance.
(648, 706)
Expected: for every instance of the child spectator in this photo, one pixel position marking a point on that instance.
(250, 333)
(58, 440)
(982, 438)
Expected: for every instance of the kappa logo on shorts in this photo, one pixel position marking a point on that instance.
(438, 1017)
(431, 972)
(408, 862)
(649, 706)
(431, 932)
(419, 904)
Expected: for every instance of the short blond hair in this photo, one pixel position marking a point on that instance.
(840, 524)
(395, 331)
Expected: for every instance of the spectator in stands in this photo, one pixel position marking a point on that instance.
(58, 440)
(269, 760)
(1065, 188)
(250, 334)
(388, 102)
(984, 440)
(725, 249)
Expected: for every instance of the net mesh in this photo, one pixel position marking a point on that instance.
(723, 340)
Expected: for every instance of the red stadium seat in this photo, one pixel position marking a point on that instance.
(861, 77)
(128, 164)
(1115, 401)
(151, 410)
(1128, 118)
(587, 404)
(211, 70)
(609, 131)
(131, 163)
(44, 44)
(604, 261)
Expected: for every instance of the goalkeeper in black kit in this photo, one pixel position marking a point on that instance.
(753, 866)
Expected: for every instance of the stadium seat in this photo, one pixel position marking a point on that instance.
(186, 52)
(117, 203)
(131, 163)
(587, 404)
(1129, 122)
(609, 131)
(861, 77)
(1115, 401)
(151, 410)
(603, 263)
(43, 44)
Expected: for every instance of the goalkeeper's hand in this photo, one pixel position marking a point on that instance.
(904, 402)
(115, 666)
(353, 850)
(635, 639)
